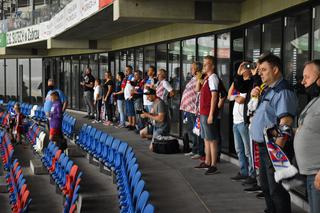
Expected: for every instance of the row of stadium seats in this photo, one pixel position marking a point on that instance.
(68, 125)
(19, 195)
(36, 136)
(65, 174)
(120, 158)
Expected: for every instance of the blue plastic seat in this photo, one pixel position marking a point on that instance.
(148, 209)
(142, 201)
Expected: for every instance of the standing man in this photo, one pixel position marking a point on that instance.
(306, 141)
(209, 99)
(149, 83)
(88, 84)
(129, 99)
(277, 106)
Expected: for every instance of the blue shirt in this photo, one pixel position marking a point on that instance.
(277, 102)
(48, 103)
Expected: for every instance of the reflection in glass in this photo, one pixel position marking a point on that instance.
(67, 79)
(188, 57)
(316, 34)
(174, 71)
(103, 64)
(36, 79)
(162, 56)
(139, 58)
(149, 57)
(75, 82)
(296, 53)
(223, 71)
(123, 61)
(26, 79)
(93, 64)
(2, 79)
(131, 57)
(253, 43)
(272, 36)
(11, 76)
(205, 46)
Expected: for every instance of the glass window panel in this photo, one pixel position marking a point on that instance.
(272, 36)
(93, 64)
(123, 61)
(161, 56)
(117, 55)
(223, 71)
(24, 63)
(139, 58)
(67, 79)
(11, 76)
(253, 43)
(149, 57)
(316, 34)
(296, 53)
(174, 79)
(188, 57)
(131, 57)
(103, 64)
(2, 79)
(75, 82)
(205, 46)
(36, 79)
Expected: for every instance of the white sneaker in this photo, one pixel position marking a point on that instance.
(95, 121)
(189, 154)
(196, 156)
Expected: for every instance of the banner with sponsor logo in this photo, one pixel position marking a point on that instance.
(23, 35)
(104, 3)
(3, 40)
(88, 7)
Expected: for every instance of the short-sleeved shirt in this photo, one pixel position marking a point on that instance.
(48, 103)
(98, 94)
(238, 111)
(160, 107)
(306, 140)
(118, 89)
(276, 102)
(87, 80)
(189, 100)
(128, 87)
(150, 82)
(163, 89)
(106, 87)
(210, 85)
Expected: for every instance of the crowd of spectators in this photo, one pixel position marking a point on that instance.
(265, 109)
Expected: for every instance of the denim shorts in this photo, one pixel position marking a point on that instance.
(209, 131)
(130, 108)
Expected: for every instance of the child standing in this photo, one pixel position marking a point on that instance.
(18, 127)
(55, 121)
(97, 95)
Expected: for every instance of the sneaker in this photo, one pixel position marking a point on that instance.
(260, 195)
(239, 177)
(196, 156)
(250, 181)
(95, 121)
(91, 117)
(189, 154)
(202, 165)
(87, 116)
(211, 171)
(253, 189)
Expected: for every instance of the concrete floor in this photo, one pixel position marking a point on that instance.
(175, 186)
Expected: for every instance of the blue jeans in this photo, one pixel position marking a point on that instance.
(120, 105)
(313, 195)
(276, 197)
(242, 146)
(189, 130)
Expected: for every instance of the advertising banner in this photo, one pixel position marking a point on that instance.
(88, 7)
(24, 35)
(3, 40)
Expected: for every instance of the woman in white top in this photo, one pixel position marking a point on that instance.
(97, 97)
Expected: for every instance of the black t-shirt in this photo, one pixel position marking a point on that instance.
(106, 87)
(87, 79)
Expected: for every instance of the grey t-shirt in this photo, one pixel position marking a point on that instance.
(160, 107)
(307, 139)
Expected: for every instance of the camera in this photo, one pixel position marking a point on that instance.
(139, 111)
(250, 66)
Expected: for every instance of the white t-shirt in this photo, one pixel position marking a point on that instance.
(97, 91)
(238, 111)
(128, 88)
(213, 81)
(150, 83)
